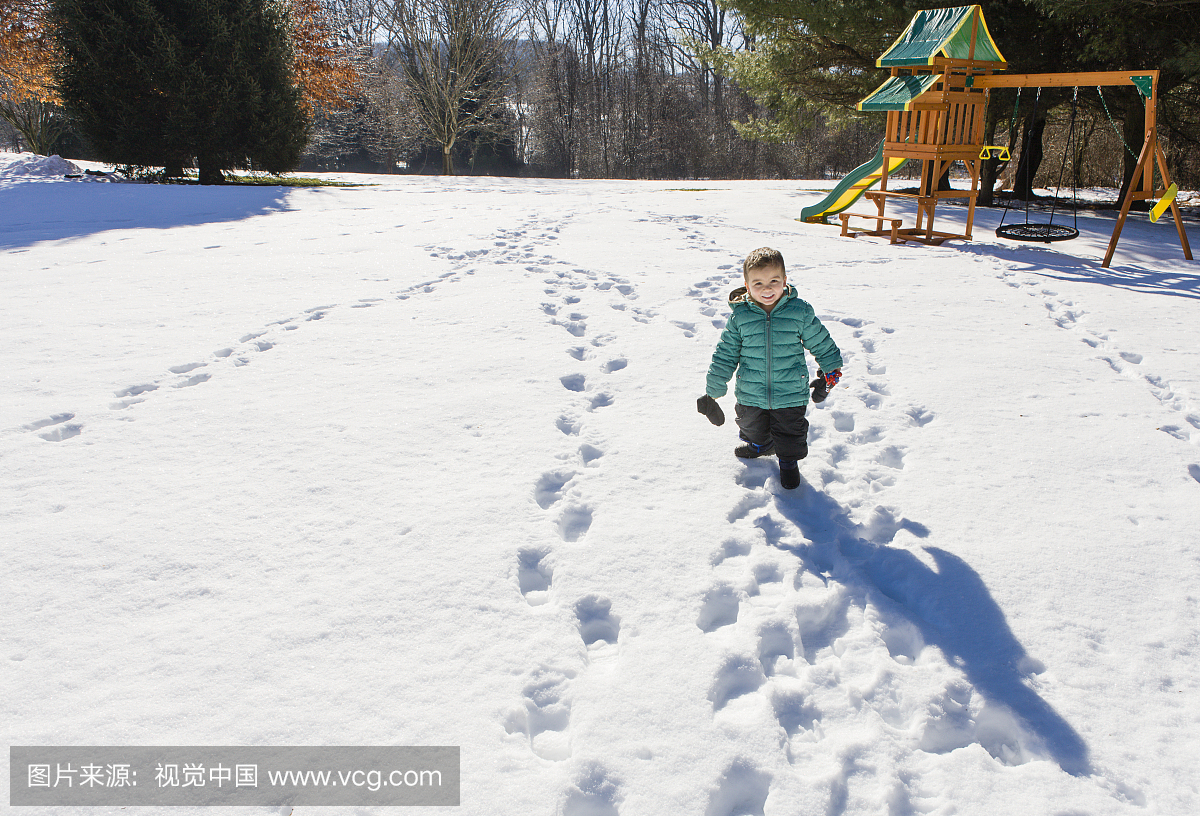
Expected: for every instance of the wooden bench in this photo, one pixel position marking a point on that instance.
(879, 230)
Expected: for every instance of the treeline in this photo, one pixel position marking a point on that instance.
(566, 88)
(589, 89)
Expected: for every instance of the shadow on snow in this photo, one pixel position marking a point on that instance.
(54, 212)
(950, 605)
(1141, 253)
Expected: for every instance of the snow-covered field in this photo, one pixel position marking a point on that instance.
(419, 464)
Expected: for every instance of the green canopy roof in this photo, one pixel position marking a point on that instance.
(898, 92)
(945, 32)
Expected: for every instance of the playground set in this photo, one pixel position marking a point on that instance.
(942, 69)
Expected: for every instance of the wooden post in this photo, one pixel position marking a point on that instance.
(1141, 186)
(1166, 177)
(1130, 195)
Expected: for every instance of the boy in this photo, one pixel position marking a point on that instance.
(764, 341)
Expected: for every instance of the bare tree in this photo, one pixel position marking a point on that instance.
(392, 127)
(452, 57)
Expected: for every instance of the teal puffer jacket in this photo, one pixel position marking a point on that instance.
(767, 351)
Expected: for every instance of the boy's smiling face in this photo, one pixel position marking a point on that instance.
(766, 284)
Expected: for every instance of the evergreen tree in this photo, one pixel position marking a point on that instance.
(163, 82)
(1117, 35)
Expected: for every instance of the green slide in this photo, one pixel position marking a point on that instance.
(851, 188)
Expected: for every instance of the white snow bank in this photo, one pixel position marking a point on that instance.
(30, 166)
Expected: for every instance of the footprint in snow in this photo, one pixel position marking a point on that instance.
(795, 713)
(594, 792)
(738, 675)
(574, 382)
(755, 474)
(920, 417)
(746, 504)
(870, 436)
(718, 608)
(600, 401)
(872, 400)
(534, 575)
(56, 419)
(195, 380)
(186, 369)
(60, 427)
(597, 623)
(892, 457)
(732, 547)
(136, 390)
(549, 487)
(545, 714)
(574, 522)
(822, 616)
(775, 641)
(589, 453)
(575, 324)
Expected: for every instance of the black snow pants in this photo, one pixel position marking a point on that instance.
(786, 427)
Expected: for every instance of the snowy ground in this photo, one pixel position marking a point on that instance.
(419, 464)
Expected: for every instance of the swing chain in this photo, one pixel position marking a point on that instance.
(1113, 122)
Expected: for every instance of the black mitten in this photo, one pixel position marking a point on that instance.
(820, 388)
(708, 406)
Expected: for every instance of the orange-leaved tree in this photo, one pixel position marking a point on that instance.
(28, 56)
(324, 63)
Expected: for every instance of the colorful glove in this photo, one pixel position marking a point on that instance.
(833, 377)
(708, 406)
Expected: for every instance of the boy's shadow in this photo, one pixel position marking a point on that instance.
(951, 606)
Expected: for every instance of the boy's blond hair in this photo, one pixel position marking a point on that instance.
(763, 256)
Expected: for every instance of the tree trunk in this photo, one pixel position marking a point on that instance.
(1031, 159)
(447, 161)
(1134, 133)
(210, 174)
(989, 169)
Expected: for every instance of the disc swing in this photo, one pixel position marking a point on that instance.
(1048, 232)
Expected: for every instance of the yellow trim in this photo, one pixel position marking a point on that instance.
(975, 9)
(858, 107)
(988, 33)
(886, 51)
(907, 105)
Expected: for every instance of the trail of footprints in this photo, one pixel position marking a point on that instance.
(506, 247)
(1067, 315)
(59, 427)
(543, 715)
(798, 635)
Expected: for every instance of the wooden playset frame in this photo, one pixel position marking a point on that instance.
(936, 99)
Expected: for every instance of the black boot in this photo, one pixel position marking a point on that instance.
(753, 451)
(789, 474)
